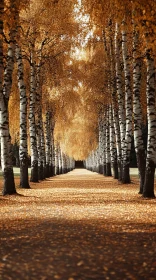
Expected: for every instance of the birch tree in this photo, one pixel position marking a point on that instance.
(128, 107)
(6, 152)
(23, 150)
(137, 110)
(148, 189)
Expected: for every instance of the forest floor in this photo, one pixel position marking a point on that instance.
(78, 226)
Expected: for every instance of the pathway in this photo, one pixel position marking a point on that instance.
(78, 226)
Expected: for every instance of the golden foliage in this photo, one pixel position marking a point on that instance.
(68, 44)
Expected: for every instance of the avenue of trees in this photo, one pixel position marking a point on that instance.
(77, 82)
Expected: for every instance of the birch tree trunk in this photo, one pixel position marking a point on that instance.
(108, 157)
(48, 142)
(100, 145)
(128, 109)
(6, 152)
(64, 164)
(23, 150)
(57, 160)
(53, 152)
(148, 190)
(113, 151)
(39, 148)
(51, 147)
(43, 152)
(114, 113)
(137, 112)
(1, 44)
(40, 132)
(121, 97)
(32, 125)
(52, 167)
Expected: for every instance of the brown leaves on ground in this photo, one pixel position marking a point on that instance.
(80, 225)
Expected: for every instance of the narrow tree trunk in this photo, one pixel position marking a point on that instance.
(148, 189)
(108, 157)
(114, 119)
(47, 127)
(6, 152)
(53, 153)
(23, 151)
(40, 133)
(51, 127)
(121, 97)
(128, 109)
(57, 160)
(32, 125)
(137, 112)
(43, 152)
(113, 151)
(101, 152)
(39, 148)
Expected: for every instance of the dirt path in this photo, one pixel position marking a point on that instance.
(78, 226)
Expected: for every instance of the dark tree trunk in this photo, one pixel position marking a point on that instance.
(9, 183)
(141, 161)
(115, 170)
(101, 169)
(148, 189)
(24, 177)
(51, 170)
(125, 174)
(34, 172)
(108, 169)
(60, 170)
(17, 162)
(47, 170)
(44, 171)
(65, 170)
(41, 172)
(119, 171)
(57, 170)
(104, 169)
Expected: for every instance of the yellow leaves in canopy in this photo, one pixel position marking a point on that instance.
(78, 136)
(14, 107)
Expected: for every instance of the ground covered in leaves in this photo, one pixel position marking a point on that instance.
(80, 225)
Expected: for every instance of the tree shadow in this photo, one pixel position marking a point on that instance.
(66, 249)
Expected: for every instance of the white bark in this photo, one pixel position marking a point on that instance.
(137, 110)
(148, 190)
(23, 149)
(121, 97)
(32, 125)
(107, 147)
(47, 142)
(6, 152)
(128, 107)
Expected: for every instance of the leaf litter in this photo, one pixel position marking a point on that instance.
(79, 225)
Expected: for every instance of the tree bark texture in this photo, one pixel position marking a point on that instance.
(23, 150)
(148, 190)
(32, 125)
(137, 112)
(128, 109)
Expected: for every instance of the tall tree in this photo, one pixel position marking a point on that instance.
(6, 151)
(148, 189)
(137, 110)
(23, 150)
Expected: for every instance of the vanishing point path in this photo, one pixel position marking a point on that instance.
(78, 226)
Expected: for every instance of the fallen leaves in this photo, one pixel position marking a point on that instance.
(78, 226)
